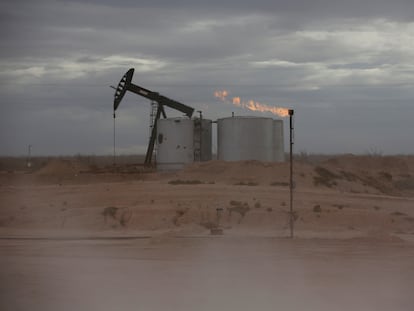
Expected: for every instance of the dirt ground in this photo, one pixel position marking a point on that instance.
(75, 235)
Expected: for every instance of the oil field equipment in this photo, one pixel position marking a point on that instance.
(161, 101)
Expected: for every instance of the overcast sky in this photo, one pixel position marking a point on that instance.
(346, 67)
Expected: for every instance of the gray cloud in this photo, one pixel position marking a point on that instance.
(345, 66)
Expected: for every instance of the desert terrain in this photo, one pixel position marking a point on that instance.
(81, 234)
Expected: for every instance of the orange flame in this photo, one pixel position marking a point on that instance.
(221, 94)
(251, 104)
(236, 101)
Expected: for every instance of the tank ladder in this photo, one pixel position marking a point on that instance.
(198, 130)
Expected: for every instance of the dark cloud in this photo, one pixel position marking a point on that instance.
(318, 8)
(345, 66)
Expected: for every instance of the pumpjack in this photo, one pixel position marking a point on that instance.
(126, 85)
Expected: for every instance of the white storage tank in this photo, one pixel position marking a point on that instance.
(250, 138)
(181, 141)
(175, 139)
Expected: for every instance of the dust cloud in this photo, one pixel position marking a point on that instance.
(224, 273)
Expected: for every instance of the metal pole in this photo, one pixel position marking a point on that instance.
(201, 134)
(114, 159)
(29, 157)
(291, 220)
(114, 156)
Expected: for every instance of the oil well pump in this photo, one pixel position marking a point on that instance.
(161, 101)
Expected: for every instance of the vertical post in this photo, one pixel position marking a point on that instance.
(291, 219)
(201, 135)
(114, 159)
(29, 156)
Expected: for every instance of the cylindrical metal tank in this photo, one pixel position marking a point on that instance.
(250, 138)
(175, 139)
(279, 142)
(245, 138)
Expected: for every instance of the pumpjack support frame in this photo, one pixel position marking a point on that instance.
(126, 85)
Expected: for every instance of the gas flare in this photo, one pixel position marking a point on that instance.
(221, 94)
(236, 101)
(251, 104)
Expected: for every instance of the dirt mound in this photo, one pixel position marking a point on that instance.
(242, 172)
(395, 164)
(62, 167)
(391, 175)
(348, 173)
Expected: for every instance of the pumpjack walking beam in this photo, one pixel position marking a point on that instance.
(126, 85)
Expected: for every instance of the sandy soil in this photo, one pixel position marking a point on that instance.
(80, 237)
